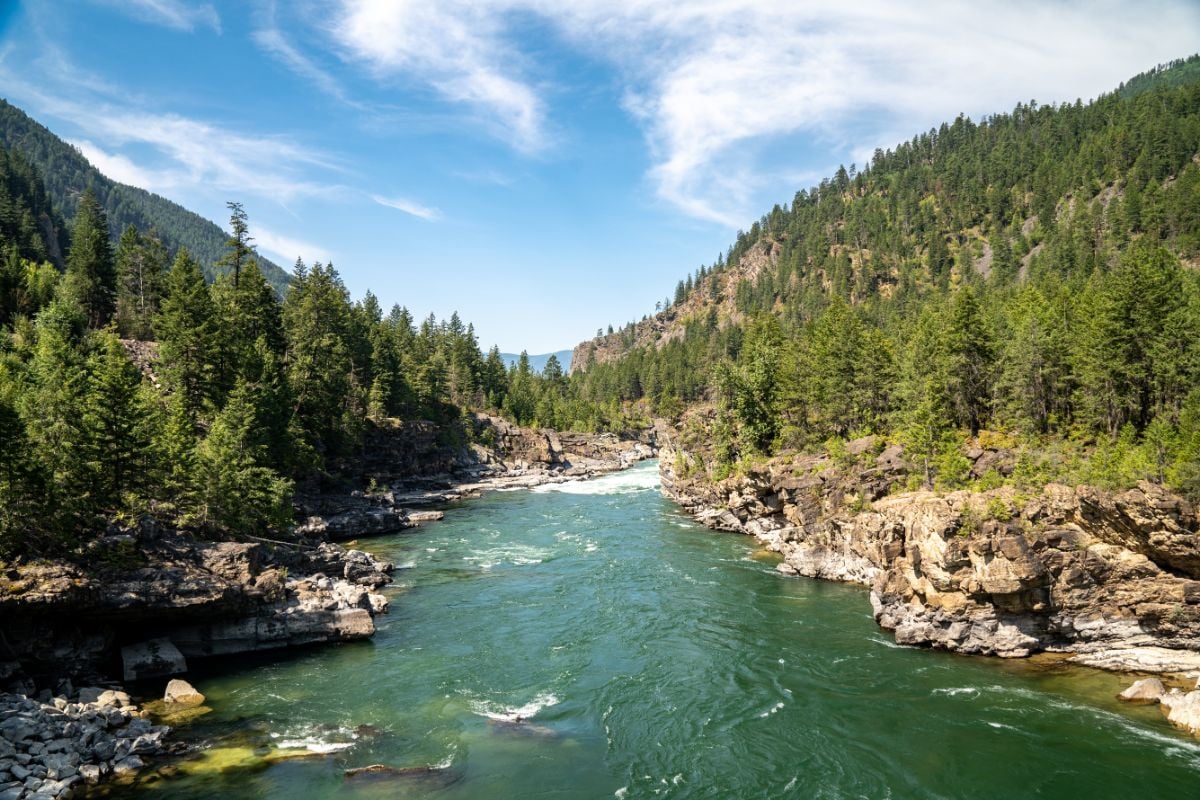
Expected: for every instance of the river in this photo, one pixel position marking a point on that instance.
(648, 657)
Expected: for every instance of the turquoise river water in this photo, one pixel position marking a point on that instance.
(648, 657)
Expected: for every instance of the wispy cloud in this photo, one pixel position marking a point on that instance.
(457, 48)
(178, 151)
(426, 213)
(287, 249)
(122, 169)
(273, 41)
(176, 14)
(720, 86)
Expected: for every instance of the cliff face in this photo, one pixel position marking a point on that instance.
(1112, 578)
(144, 602)
(716, 294)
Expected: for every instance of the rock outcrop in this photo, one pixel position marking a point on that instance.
(1111, 578)
(153, 599)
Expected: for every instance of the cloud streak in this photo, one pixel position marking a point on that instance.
(287, 249)
(717, 84)
(411, 207)
(175, 14)
(455, 47)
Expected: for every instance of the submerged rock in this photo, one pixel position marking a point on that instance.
(434, 775)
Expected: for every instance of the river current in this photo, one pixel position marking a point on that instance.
(648, 657)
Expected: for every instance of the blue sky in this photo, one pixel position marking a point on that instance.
(545, 168)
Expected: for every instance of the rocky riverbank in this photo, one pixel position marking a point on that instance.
(51, 747)
(409, 467)
(1110, 578)
(144, 602)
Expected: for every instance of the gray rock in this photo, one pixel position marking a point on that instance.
(90, 773)
(128, 766)
(17, 729)
(153, 659)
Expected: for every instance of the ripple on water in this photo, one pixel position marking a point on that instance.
(668, 667)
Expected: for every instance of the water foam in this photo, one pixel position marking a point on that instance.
(514, 713)
(625, 482)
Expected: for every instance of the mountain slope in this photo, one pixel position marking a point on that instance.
(538, 362)
(1041, 191)
(67, 174)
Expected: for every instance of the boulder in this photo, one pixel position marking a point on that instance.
(180, 692)
(156, 658)
(1143, 692)
(113, 699)
(1182, 710)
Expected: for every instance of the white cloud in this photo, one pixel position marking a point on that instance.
(177, 14)
(195, 154)
(457, 48)
(715, 82)
(274, 43)
(122, 170)
(287, 249)
(409, 207)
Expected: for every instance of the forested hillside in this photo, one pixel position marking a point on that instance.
(67, 174)
(130, 385)
(1030, 276)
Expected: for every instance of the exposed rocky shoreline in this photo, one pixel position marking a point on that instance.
(1111, 579)
(50, 747)
(146, 601)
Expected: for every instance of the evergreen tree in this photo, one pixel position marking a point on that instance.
(234, 490)
(187, 333)
(141, 264)
(115, 438)
(90, 262)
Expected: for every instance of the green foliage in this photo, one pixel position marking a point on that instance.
(999, 510)
(90, 267)
(234, 488)
(141, 281)
(187, 334)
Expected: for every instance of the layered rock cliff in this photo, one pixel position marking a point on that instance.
(146, 601)
(1110, 577)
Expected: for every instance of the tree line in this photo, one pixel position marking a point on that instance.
(131, 385)
(1032, 274)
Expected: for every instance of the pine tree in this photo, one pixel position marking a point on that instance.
(970, 354)
(234, 490)
(316, 315)
(22, 485)
(238, 247)
(187, 333)
(115, 439)
(141, 263)
(90, 262)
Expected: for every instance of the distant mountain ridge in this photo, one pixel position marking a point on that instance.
(538, 362)
(67, 174)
